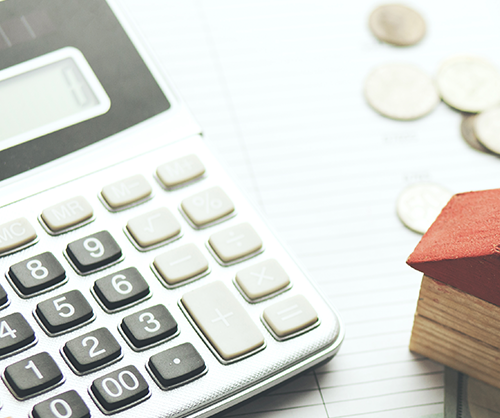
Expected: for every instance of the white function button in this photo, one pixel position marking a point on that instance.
(290, 316)
(181, 264)
(15, 235)
(235, 243)
(126, 192)
(262, 279)
(223, 321)
(176, 172)
(155, 227)
(207, 207)
(67, 214)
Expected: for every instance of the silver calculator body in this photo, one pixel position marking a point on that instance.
(130, 127)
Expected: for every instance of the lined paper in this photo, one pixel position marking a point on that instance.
(277, 86)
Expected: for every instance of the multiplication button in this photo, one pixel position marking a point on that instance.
(65, 405)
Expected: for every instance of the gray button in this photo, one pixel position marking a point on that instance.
(15, 234)
(207, 206)
(180, 171)
(67, 214)
(180, 264)
(126, 192)
(262, 279)
(290, 316)
(236, 242)
(153, 227)
(223, 320)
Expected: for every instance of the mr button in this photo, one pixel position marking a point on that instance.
(67, 215)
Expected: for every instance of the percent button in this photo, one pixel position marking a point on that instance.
(207, 207)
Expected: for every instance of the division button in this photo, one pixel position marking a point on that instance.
(126, 192)
(222, 320)
(182, 170)
(67, 214)
(120, 389)
(208, 206)
(64, 312)
(68, 404)
(121, 289)
(94, 252)
(153, 228)
(176, 365)
(262, 279)
(15, 334)
(33, 375)
(235, 243)
(37, 274)
(15, 235)
(149, 326)
(181, 264)
(92, 350)
(290, 316)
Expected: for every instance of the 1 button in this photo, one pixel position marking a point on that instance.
(262, 279)
(290, 316)
(32, 376)
(65, 405)
(64, 312)
(126, 192)
(181, 264)
(235, 243)
(156, 227)
(177, 172)
(119, 389)
(15, 235)
(207, 207)
(94, 252)
(149, 326)
(15, 334)
(121, 289)
(68, 214)
(37, 274)
(92, 351)
(223, 321)
(176, 366)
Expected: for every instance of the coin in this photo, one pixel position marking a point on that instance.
(487, 129)
(397, 24)
(467, 129)
(469, 84)
(419, 205)
(401, 91)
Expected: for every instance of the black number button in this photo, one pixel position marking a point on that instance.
(149, 326)
(119, 389)
(15, 334)
(121, 289)
(176, 365)
(65, 405)
(94, 252)
(33, 375)
(37, 274)
(64, 312)
(92, 350)
(4, 299)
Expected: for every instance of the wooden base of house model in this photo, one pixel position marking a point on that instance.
(458, 330)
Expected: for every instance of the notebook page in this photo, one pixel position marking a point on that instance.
(277, 86)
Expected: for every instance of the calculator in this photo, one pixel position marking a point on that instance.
(137, 279)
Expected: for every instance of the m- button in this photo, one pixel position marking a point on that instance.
(223, 321)
(67, 214)
(15, 235)
(126, 192)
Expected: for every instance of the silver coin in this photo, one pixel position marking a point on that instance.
(397, 24)
(419, 205)
(467, 130)
(469, 84)
(487, 129)
(401, 91)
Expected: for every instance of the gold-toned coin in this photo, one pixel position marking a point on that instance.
(467, 130)
(401, 91)
(487, 129)
(397, 24)
(469, 84)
